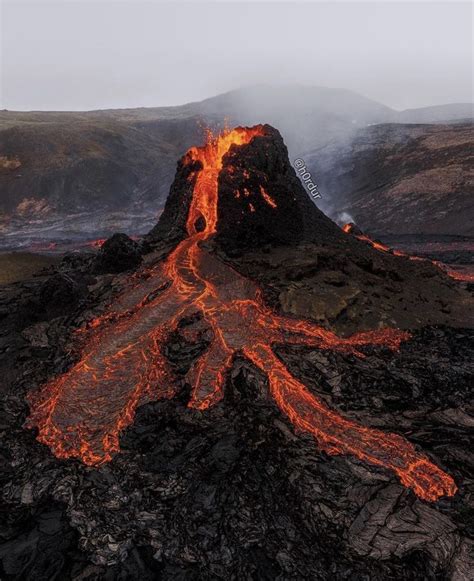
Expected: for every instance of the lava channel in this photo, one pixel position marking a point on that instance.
(82, 412)
(451, 272)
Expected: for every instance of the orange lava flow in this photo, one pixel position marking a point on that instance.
(96, 243)
(454, 274)
(82, 412)
(265, 195)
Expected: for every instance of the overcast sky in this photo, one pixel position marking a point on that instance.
(102, 54)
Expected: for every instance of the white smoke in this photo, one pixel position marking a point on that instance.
(343, 218)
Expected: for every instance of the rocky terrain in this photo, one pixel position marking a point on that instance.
(83, 175)
(73, 176)
(398, 179)
(235, 490)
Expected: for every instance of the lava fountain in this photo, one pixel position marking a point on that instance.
(122, 365)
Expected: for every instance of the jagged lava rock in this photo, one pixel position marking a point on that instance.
(118, 254)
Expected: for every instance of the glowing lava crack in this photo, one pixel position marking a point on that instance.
(81, 413)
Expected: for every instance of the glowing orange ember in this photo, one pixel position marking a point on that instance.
(96, 243)
(81, 413)
(266, 196)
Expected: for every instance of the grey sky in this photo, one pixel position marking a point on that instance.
(104, 54)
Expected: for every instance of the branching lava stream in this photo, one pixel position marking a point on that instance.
(82, 412)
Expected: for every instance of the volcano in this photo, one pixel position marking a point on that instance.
(81, 413)
(249, 392)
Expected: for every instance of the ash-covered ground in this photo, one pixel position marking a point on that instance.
(235, 491)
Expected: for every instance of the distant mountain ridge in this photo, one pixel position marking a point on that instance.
(329, 99)
(437, 113)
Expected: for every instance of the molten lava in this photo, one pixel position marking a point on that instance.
(350, 228)
(96, 243)
(82, 412)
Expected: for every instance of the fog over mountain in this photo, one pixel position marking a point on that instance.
(98, 54)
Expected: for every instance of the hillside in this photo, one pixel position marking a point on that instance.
(97, 173)
(401, 179)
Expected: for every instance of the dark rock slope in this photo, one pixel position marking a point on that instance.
(260, 201)
(233, 492)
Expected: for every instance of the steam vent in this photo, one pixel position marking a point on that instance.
(251, 400)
